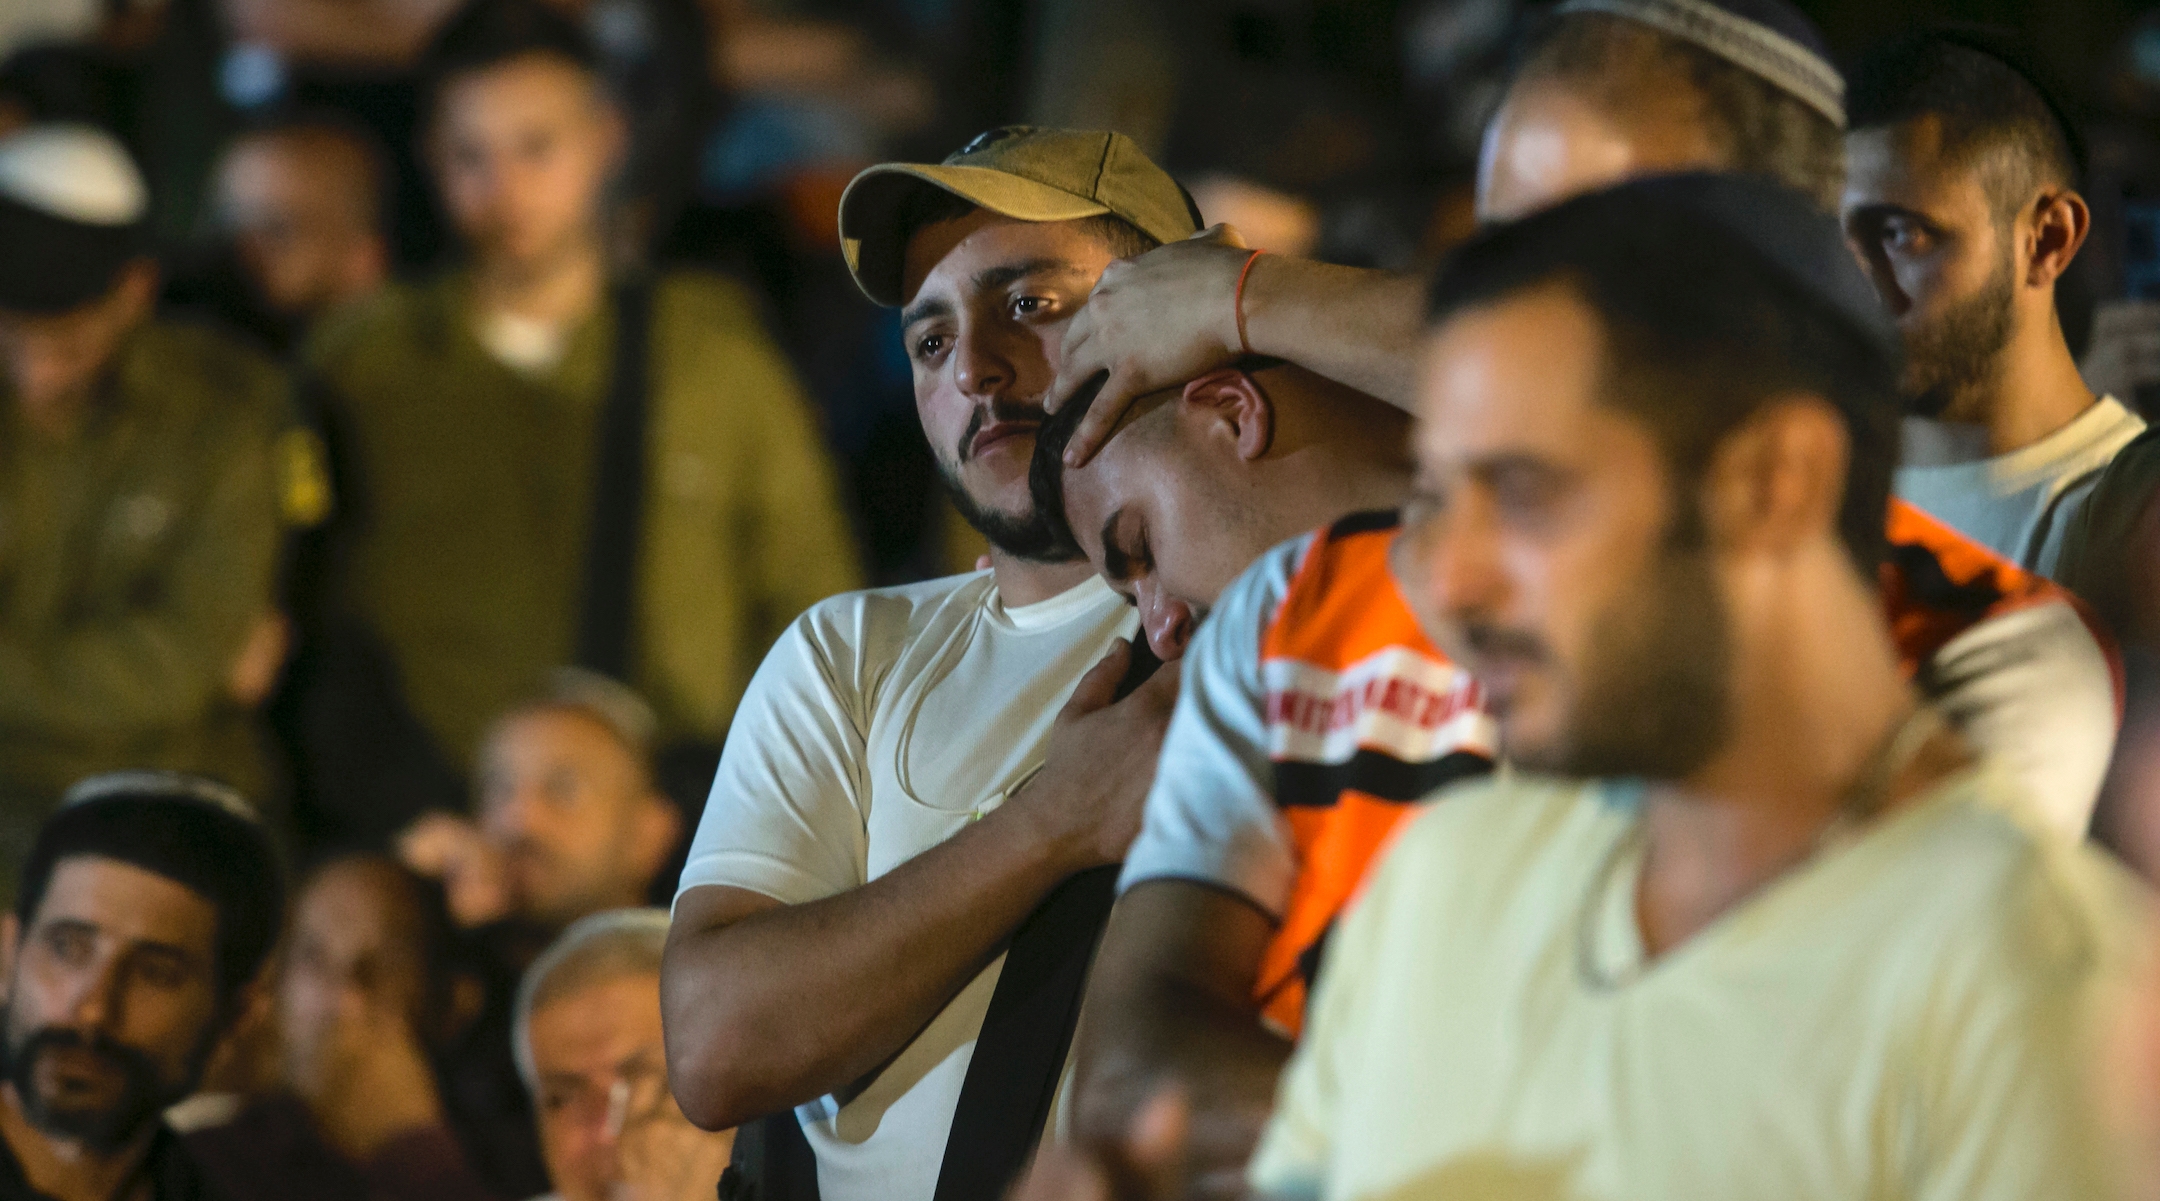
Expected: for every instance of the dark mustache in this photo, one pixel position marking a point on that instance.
(1000, 409)
(121, 1057)
(1487, 641)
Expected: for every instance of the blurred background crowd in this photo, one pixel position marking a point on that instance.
(320, 199)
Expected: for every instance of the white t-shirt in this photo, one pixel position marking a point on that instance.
(879, 725)
(2020, 504)
(1913, 1012)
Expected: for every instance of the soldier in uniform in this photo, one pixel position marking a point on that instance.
(144, 490)
(469, 408)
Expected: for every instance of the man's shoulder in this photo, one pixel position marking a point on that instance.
(395, 317)
(878, 623)
(2023, 898)
(204, 387)
(710, 299)
(1499, 835)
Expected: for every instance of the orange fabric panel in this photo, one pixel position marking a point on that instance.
(1996, 585)
(1343, 606)
(1334, 847)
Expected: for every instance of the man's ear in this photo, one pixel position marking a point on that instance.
(2061, 220)
(1778, 482)
(1246, 414)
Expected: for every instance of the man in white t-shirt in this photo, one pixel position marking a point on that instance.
(1961, 201)
(914, 769)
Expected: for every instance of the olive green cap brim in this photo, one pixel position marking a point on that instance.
(874, 204)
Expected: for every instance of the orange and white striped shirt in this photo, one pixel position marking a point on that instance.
(1315, 713)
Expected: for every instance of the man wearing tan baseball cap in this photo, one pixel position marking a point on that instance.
(915, 769)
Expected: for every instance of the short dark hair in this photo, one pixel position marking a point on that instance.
(1046, 471)
(1758, 127)
(181, 829)
(927, 206)
(1994, 112)
(1701, 327)
(489, 33)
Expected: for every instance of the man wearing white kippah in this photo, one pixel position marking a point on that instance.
(141, 502)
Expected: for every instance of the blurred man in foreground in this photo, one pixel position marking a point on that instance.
(1662, 573)
(142, 498)
(1285, 771)
(148, 905)
(589, 1045)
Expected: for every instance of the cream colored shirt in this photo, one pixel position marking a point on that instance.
(2020, 504)
(1911, 1013)
(879, 726)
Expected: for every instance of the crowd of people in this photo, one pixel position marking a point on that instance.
(1658, 704)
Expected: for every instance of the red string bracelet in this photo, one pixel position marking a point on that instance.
(1237, 300)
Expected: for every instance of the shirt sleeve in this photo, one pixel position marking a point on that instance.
(1211, 813)
(2034, 689)
(785, 817)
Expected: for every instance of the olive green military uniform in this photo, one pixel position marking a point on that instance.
(135, 556)
(474, 485)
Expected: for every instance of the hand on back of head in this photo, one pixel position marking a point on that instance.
(1153, 321)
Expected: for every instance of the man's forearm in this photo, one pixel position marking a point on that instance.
(1170, 1001)
(781, 1006)
(1355, 326)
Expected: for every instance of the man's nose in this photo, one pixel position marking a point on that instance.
(511, 811)
(97, 1001)
(980, 365)
(1875, 263)
(1166, 620)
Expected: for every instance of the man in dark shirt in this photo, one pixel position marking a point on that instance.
(148, 905)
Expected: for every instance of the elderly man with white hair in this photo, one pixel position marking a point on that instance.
(588, 1044)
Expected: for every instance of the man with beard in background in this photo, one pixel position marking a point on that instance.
(148, 905)
(1961, 201)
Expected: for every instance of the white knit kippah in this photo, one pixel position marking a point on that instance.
(76, 173)
(1795, 68)
(173, 784)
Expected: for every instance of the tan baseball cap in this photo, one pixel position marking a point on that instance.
(1017, 171)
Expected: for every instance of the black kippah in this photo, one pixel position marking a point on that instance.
(1782, 228)
(192, 831)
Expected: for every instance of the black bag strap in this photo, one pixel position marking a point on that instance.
(607, 615)
(1020, 1054)
(772, 1161)
(1012, 1079)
